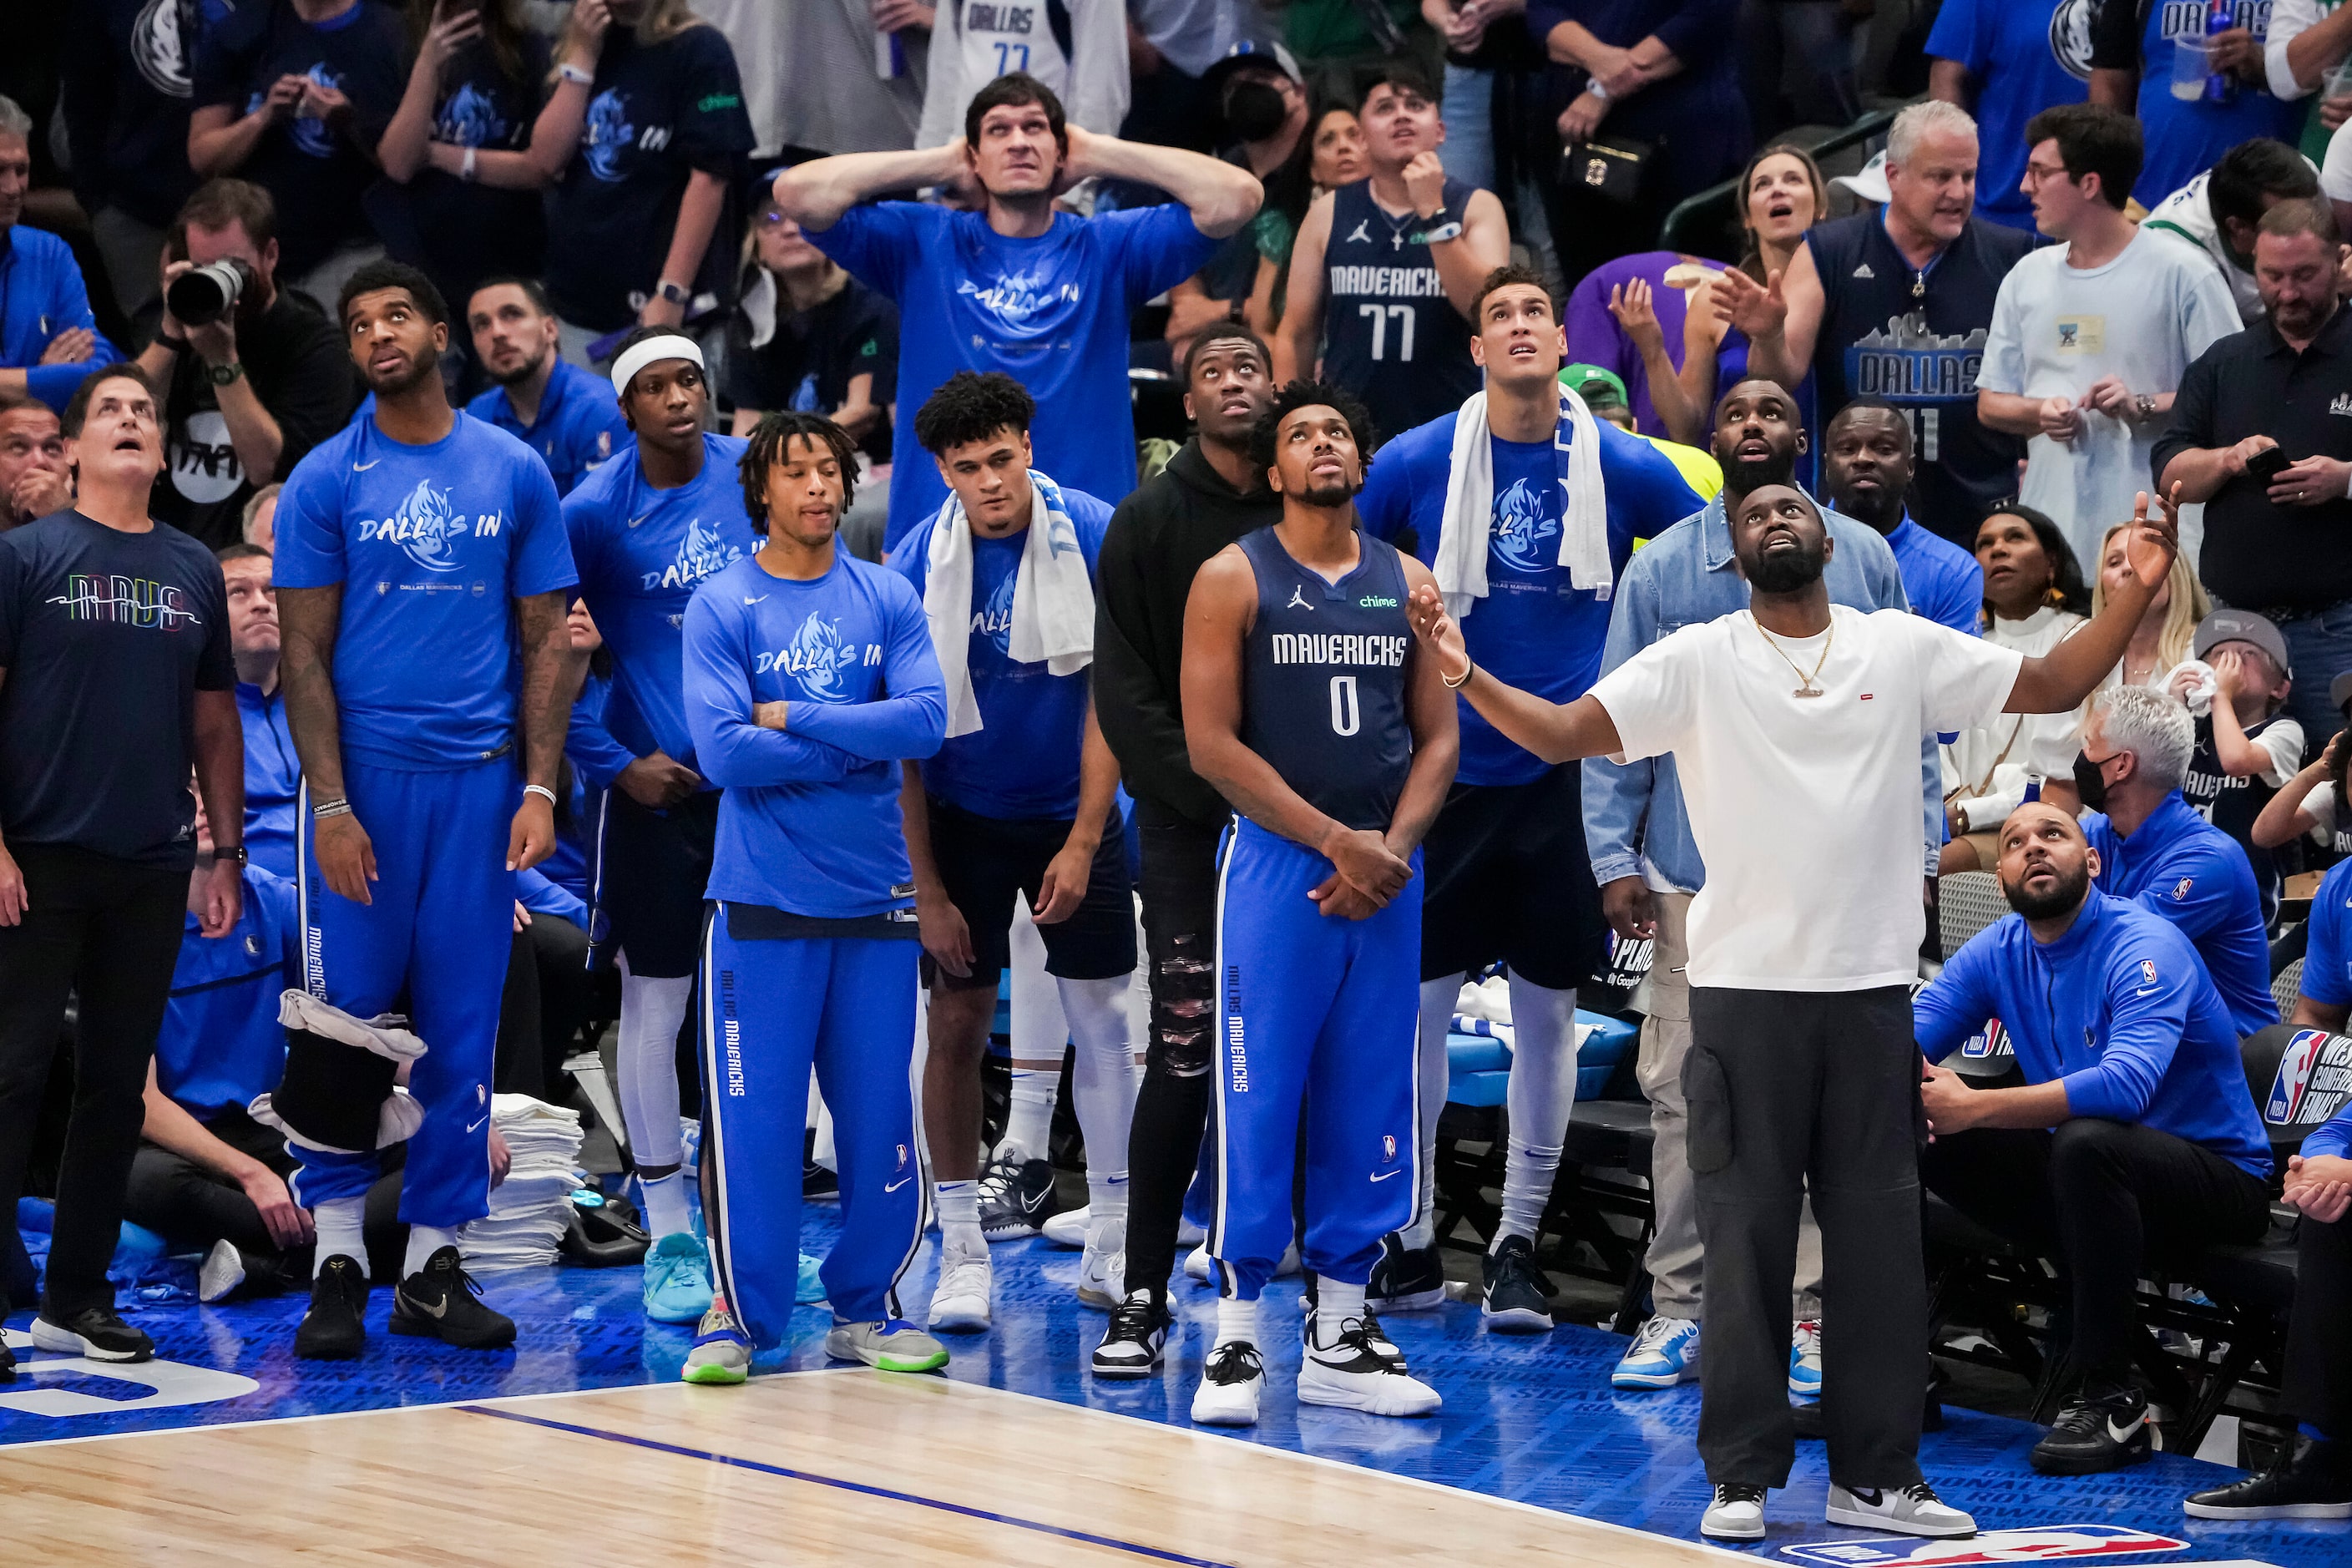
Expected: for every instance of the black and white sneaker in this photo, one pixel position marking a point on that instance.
(2109, 1432)
(2315, 1482)
(1137, 1336)
(1309, 1303)
(1406, 1278)
(98, 1333)
(1914, 1510)
(335, 1328)
(441, 1301)
(1230, 1385)
(1515, 1300)
(1016, 1197)
(1352, 1374)
(1735, 1512)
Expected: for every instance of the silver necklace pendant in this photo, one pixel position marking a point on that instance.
(1396, 239)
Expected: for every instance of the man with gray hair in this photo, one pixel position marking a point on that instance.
(1896, 303)
(48, 339)
(2157, 850)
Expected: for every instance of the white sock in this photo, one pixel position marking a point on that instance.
(1029, 1120)
(1040, 1034)
(1102, 1075)
(1436, 1018)
(1237, 1320)
(959, 1217)
(342, 1232)
(645, 1063)
(1106, 1200)
(1334, 1304)
(666, 1211)
(423, 1241)
(1542, 1093)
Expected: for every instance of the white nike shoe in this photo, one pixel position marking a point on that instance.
(1101, 1272)
(1196, 1263)
(959, 1304)
(1067, 1228)
(1914, 1510)
(1230, 1385)
(1735, 1512)
(1352, 1374)
(223, 1272)
(1190, 1235)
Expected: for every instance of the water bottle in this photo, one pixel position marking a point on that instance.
(2220, 16)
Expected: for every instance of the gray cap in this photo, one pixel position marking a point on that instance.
(2242, 626)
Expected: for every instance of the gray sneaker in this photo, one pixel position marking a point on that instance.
(892, 1345)
(1914, 1510)
(721, 1353)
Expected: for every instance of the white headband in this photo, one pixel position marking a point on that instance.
(638, 355)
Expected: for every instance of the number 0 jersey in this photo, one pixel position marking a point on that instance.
(1390, 335)
(1323, 678)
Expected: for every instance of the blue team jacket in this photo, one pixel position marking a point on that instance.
(41, 295)
(2181, 867)
(221, 1043)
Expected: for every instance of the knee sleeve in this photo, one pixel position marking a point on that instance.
(1543, 1065)
(338, 1093)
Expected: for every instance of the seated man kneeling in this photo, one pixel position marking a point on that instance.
(2133, 1133)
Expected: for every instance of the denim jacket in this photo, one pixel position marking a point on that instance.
(1633, 811)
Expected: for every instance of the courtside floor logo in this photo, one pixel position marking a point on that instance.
(2050, 1544)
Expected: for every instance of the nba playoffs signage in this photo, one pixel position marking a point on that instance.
(2314, 1079)
(2049, 1544)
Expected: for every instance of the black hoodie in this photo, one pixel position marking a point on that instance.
(1160, 537)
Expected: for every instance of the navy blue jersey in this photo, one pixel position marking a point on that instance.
(1323, 680)
(1390, 335)
(1917, 340)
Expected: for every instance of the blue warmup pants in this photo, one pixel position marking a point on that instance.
(1311, 1007)
(440, 927)
(768, 1008)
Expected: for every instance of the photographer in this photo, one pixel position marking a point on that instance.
(248, 391)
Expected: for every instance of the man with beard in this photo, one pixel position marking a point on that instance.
(562, 412)
(1867, 467)
(2131, 1136)
(423, 576)
(1209, 496)
(1527, 508)
(1795, 728)
(1639, 833)
(1306, 706)
(647, 529)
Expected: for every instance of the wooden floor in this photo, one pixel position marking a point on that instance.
(811, 1468)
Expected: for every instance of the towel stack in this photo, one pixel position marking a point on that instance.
(530, 1209)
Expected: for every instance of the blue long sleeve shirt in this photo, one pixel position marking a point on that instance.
(41, 295)
(2327, 979)
(2119, 1010)
(2181, 867)
(588, 740)
(221, 1043)
(809, 821)
(1686, 576)
(273, 778)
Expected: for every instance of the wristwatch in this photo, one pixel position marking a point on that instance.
(222, 374)
(2145, 404)
(231, 852)
(673, 293)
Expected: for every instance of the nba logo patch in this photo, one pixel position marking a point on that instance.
(1387, 1146)
(2147, 966)
(2181, 888)
(902, 1156)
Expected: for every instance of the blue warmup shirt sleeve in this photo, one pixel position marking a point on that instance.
(876, 242)
(2327, 954)
(541, 897)
(2182, 869)
(1956, 1003)
(2147, 1014)
(589, 743)
(912, 720)
(733, 750)
(1158, 247)
(44, 296)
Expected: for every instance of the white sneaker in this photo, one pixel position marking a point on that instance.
(223, 1272)
(1230, 1385)
(1102, 1270)
(1196, 1263)
(1354, 1376)
(961, 1302)
(1805, 1359)
(1736, 1513)
(1067, 1228)
(1190, 1235)
(1663, 1354)
(1914, 1510)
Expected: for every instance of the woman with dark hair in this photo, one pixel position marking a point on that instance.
(1329, 156)
(2034, 600)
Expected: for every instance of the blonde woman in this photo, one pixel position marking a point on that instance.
(646, 120)
(2167, 629)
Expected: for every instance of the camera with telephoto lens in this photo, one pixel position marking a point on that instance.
(203, 295)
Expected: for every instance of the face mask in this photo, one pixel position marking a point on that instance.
(2090, 782)
(1255, 111)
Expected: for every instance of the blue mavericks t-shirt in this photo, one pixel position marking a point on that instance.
(809, 820)
(430, 544)
(2184, 138)
(1532, 630)
(1052, 312)
(315, 172)
(641, 553)
(2025, 56)
(578, 428)
(1023, 762)
(221, 1043)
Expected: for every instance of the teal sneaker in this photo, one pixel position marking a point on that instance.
(677, 1280)
(721, 1353)
(891, 1345)
(810, 1288)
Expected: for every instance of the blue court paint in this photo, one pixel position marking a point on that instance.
(859, 1487)
(1531, 1419)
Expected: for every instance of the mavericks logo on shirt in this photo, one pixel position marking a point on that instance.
(2070, 36)
(609, 132)
(311, 136)
(1016, 296)
(1520, 528)
(817, 660)
(160, 36)
(469, 119)
(698, 555)
(993, 620)
(428, 527)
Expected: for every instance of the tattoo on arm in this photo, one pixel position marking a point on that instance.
(308, 619)
(550, 681)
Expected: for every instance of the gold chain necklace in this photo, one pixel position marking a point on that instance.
(1808, 689)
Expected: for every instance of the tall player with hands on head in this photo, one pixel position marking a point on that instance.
(421, 563)
(1802, 1073)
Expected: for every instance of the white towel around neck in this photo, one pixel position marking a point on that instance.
(1469, 516)
(1053, 599)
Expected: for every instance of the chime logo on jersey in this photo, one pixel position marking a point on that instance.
(428, 528)
(609, 130)
(1902, 361)
(699, 555)
(160, 34)
(469, 119)
(817, 660)
(1520, 528)
(1016, 296)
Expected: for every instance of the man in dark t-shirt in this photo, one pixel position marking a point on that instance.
(116, 680)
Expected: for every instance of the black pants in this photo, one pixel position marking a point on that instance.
(1179, 887)
(108, 931)
(549, 993)
(192, 1208)
(2101, 1199)
(2319, 1330)
(1793, 1091)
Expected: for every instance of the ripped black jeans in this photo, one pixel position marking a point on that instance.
(1179, 887)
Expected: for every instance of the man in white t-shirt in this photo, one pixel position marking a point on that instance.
(1795, 728)
(2090, 339)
